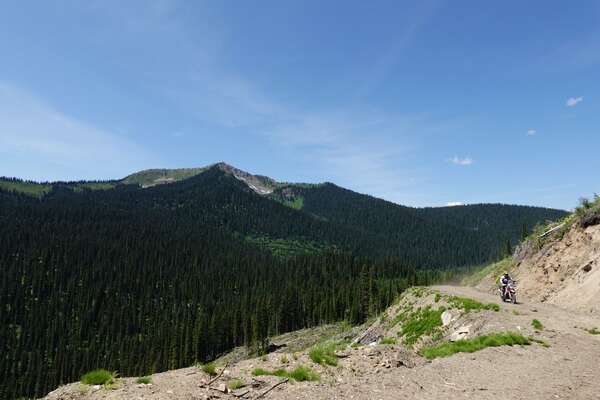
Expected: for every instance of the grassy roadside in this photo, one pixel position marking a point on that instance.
(474, 344)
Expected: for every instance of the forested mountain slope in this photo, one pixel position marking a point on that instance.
(485, 227)
(113, 275)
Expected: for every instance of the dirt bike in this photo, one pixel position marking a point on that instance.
(510, 292)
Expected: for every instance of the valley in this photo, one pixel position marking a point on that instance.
(167, 268)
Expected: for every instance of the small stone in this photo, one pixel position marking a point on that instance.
(446, 318)
(169, 392)
(461, 333)
(222, 388)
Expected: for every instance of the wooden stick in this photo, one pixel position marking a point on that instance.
(217, 377)
(271, 388)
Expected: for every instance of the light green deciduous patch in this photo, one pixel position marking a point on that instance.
(475, 344)
(285, 248)
(30, 188)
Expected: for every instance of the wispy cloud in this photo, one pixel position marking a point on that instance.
(573, 101)
(39, 142)
(466, 161)
(392, 55)
(531, 132)
(454, 203)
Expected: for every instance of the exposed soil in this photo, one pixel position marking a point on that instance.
(566, 271)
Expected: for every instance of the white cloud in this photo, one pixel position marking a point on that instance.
(573, 101)
(461, 161)
(531, 132)
(454, 203)
(41, 143)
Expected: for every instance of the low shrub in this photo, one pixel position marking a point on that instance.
(98, 377)
(324, 354)
(143, 380)
(209, 368)
(388, 340)
(537, 325)
(301, 373)
(236, 384)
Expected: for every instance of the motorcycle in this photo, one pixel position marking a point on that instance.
(510, 292)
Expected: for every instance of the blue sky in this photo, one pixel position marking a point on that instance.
(422, 103)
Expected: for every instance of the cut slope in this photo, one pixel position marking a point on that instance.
(559, 264)
(565, 271)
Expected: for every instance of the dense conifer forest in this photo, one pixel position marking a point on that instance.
(143, 280)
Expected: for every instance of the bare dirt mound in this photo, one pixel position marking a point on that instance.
(384, 360)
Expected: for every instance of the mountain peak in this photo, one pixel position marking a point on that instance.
(262, 185)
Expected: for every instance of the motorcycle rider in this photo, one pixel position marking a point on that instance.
(504, 281)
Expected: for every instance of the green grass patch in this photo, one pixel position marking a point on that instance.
(300, 373)
(388, 340)
(469, 305)
(236, 384)
(145, 380)
(209, 368)
(98, 377)
(593, 331)
(419, 291)
(422, 322)
(475, 344)
(149, 176)
(30, 188)
(537, 325)
(324, 354)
